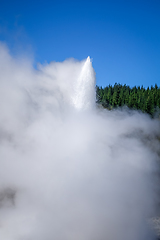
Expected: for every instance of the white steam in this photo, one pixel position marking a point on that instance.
(68, 174)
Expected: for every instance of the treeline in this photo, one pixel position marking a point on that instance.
(146, 100)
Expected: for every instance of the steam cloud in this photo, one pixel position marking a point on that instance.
(68, 169)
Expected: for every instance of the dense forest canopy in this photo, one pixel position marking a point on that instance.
(146, 100)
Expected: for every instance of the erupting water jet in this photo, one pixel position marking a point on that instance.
(84, 96)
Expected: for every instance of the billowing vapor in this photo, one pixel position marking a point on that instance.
(70, 170)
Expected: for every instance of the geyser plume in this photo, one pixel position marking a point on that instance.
(68, 174)
(84, 95)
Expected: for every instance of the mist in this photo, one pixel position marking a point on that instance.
(70, 170)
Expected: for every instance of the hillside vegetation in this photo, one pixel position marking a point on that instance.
(146, 100)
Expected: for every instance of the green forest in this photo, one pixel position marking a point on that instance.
(140, 98)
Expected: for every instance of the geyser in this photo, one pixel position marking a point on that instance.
(68, 174)
(84, 93)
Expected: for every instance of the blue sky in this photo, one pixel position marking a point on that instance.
(122, 37)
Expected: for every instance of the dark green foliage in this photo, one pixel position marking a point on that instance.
(146, 100)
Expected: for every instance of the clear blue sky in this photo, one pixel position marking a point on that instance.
(122, 37)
